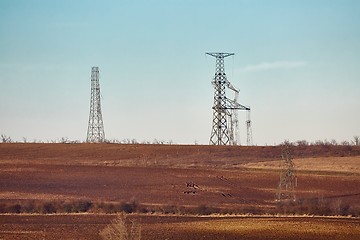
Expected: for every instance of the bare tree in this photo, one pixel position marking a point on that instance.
(64, 140)
(356, 140)
(5, 139)
(121, 228)
(302, 143)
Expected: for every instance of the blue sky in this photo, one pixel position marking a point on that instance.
(296, 63)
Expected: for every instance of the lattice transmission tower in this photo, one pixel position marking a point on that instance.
(225, 125)
(288, 180)
(95, 132)
(249, 139)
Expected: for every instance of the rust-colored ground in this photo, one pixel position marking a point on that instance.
(88, 226)
(157, 176)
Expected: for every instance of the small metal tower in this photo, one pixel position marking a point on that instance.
(288, 180)
(95, 131)
(225, 121)
(249, 140)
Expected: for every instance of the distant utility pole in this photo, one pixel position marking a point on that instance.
(95, 131)
(288, 180)
(225, 119)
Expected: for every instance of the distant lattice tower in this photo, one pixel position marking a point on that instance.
(288, 180)
(225, 121)
(95, 131)
(249, 139)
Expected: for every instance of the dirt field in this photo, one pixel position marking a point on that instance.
(323, 164)
(88, 226)
(168, 178)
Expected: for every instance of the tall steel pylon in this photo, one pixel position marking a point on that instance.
(95, 132)
(225, 120)
(288, 180)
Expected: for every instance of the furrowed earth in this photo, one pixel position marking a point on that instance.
(175, 189)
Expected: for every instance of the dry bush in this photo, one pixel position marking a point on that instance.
(121, 228)
(170, 209)
(317, 206)
(48, 207)
(205, 210)
(109, 207)
(16, 208)
(74, 206)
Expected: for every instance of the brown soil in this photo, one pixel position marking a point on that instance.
(157, 176)
(88, 226)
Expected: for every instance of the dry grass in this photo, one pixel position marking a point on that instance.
(349, 165)
(265, 228)
(182, 156)
(259, 228)
(153, 227)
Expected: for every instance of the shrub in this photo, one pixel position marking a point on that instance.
(83, 206)
(109, 208)
(48, 208)
(3, 208)
(126, 207)
(16, 208)
(29, 207)
(169, 209)
(205, 210)
(121, 228)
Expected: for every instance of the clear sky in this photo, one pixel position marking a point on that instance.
(296, 63)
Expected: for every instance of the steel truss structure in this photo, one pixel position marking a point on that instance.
(225, 125)
(249, 140)
(288, 180)
(95, 132)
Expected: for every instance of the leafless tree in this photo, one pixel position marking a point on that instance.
(121, 229)
(5, 139)
(302, 143)
(356, 140)
(64, 140)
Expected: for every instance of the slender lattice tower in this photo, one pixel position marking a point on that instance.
(288, 180)
(249, 140)
(95, 131)
(225, 123)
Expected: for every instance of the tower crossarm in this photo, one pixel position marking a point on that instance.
(231, 104)
(221, 55)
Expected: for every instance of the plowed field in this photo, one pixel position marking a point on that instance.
(88, 226)
(240, 179)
